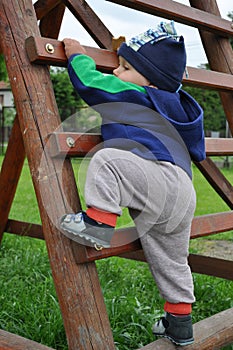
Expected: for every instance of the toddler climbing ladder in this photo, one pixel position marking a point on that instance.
(29, 49)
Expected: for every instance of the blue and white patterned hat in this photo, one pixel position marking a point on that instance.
(159, 55)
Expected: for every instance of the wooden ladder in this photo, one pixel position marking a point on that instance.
(37, 136)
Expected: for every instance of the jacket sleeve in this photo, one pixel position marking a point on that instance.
(95, 87)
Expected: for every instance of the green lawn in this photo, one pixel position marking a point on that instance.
(28, 300)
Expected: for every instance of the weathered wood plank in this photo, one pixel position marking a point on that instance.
(107, 60)
(181, 13)
(125, 241)
(91, 22)
(212, 333)
(209, 224)
(55, 16)
(9, 341)
(24, 229)
(219, 53)
(219, 146)
(205, 265)
(43, 7)
(78, 144)
(86, 324)
(217, 180)
(66, 144)
(10, 173)
(211, 266)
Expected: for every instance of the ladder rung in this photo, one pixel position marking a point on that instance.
(125, 241)
(107, 60)
(67, 144)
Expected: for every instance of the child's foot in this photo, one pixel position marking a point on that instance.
(84, 230)
(178, 329)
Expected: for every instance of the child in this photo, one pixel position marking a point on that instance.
(150, 129)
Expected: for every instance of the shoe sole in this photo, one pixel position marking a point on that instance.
(85, 239)
(188, 342)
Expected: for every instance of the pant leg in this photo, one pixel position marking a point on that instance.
(117, 179)
(166, 244)
(161, 200)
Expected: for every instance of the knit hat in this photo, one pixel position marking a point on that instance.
(159, 55)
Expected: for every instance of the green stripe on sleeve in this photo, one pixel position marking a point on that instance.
(85, 69)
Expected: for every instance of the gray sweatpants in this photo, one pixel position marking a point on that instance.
(161, 200)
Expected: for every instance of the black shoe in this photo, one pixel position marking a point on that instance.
(84, 230)
(178, 329)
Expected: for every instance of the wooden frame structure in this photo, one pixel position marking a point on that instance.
(36, 125)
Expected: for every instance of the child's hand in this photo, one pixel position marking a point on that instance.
(73, 47)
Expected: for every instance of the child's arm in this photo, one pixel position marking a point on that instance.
(93, 86)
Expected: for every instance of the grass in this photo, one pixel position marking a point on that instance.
(28, 299)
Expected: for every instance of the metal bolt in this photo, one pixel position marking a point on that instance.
(70, 142)
(49, 48)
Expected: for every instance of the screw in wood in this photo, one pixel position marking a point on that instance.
(70, 142)
(49, 48)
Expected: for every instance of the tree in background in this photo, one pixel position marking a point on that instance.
(3, 71)
(209, 100)
(67, 99)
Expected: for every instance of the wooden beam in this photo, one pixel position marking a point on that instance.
(210, 266)
(70, 144)
(125, 241)
(219, 53)
(210, 224)
(66, 144)
(43, 7)
(107, 60)
(24, 229)
(10, 173)
(211, 333)
(205, 265)
(219, 146)
(217, 180)
(208, 79)
(91, 22)
(9, 341)
(87, 325)
(181, 13)
(55, 17)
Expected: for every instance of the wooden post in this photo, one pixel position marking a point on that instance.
(219, 54)
(10, 173)
(79, 293)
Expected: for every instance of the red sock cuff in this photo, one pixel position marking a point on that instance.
(102, 216)
(178, 309)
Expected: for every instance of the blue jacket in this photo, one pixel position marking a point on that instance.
(154, 124)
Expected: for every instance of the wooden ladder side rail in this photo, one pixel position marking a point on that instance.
(181, 13)
(10, 341)
(32, 89)
(219, 53)
(91, 22)
(217, 180)
(55, 16)
(211, 333)
(43, 7)
(10, 173)
(107, 60)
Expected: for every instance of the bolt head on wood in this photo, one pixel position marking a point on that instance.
(49, 48)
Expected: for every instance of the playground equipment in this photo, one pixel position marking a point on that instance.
(28, 49)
